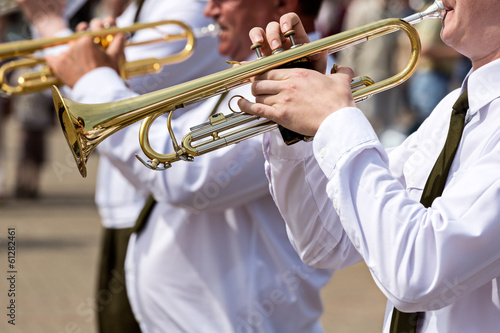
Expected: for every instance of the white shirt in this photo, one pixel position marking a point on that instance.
(118, 202)
(444, 260)
(214, 255)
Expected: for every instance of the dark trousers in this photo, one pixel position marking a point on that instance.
(114, 311)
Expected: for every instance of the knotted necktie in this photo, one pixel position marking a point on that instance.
(403, 322)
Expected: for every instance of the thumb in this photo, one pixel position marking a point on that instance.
(345, 73)
(342, 70)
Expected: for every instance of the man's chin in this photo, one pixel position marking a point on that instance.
(223, 51)
(448, 38)
(226, 49)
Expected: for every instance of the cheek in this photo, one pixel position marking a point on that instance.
(449, 32)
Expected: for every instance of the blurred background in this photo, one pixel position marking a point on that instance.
(51, 207)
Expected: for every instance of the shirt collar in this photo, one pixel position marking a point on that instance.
(483, 85)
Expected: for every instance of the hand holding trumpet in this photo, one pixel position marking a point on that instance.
(298, 99)
(84, 55)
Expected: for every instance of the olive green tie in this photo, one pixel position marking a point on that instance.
(138, 12)
(403, 322)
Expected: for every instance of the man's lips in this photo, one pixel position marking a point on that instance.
(447, 6)
(447, 9)
(222, 26)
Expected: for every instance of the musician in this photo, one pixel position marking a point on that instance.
(430, 250)
(118, 202)
(33, 112)
(213, 256)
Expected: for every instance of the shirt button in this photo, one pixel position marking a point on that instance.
(322, 152)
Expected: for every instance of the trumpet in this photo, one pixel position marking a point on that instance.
(85, 126)
(43, 78)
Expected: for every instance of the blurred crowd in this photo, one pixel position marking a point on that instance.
(394, 114)
(398, 112)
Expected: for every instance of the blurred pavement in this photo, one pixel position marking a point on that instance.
(57, 245)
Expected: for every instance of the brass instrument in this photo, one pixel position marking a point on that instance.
(84, 126)
(43, 78)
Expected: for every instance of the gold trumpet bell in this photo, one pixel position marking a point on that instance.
(72, 128)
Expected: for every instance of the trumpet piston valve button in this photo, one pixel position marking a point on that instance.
(257, 47)
(289, 34)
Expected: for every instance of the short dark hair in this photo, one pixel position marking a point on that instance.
(310, 7)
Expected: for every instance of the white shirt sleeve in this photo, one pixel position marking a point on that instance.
(298, 187)
(101, 85)
(377, 212)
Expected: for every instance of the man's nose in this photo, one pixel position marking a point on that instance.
(210, 10)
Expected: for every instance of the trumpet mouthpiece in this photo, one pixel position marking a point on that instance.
(436, 10)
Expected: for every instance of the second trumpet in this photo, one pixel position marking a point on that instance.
(40, 77)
